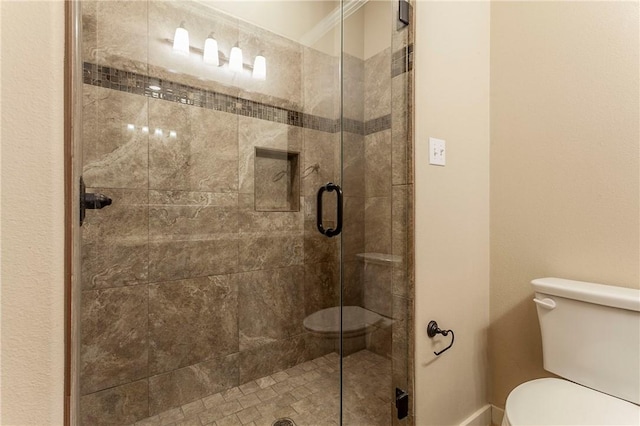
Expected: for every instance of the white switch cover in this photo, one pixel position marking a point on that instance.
(437, 151)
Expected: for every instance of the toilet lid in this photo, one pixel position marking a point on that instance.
(560, 402)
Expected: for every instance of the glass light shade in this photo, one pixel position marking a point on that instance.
(235, 59)
(181, 41)
(210, 56)
(260, 68)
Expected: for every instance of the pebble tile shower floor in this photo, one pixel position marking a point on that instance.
(307, 393)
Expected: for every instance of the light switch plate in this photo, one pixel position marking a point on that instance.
(437, 152)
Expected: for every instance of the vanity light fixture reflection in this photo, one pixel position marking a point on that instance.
(210, 55)
(260, 68)
(235, 59)
(181, 41)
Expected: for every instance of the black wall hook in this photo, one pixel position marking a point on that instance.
(432, 330)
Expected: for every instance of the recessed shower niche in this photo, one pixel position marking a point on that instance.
(277, 180)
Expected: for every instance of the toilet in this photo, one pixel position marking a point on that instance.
(591, 338)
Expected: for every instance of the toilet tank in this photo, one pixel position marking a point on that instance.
(591, 334)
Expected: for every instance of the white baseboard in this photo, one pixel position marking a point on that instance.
(482, 417)
(496, 415)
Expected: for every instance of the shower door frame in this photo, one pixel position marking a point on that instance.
(72, 167)
(72, 170)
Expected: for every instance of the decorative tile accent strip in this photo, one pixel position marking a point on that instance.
(402, 61)
(139, 84)
(353, 126)
(377, 124)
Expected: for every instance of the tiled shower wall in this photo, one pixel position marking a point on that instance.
(187, 290)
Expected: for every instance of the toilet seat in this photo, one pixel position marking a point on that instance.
(560, 402)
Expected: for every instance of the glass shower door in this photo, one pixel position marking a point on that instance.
(208, 294)
(376, 248)
(205, 284)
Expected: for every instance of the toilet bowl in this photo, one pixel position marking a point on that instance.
(590, 336)
(561, 402)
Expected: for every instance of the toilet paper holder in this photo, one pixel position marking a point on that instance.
(433, 329)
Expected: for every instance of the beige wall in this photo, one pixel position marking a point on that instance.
(32, 349)
(452, 208)
(564, 163)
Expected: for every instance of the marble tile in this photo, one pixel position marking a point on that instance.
(184, 214)
(379, 341)
(378, 225)
(377, 152)
(353, 165)
(271, 307)
(115, 155)
(272, 357)
(115, 241)
(115, 264)
(192, 149)
(284, 65)
(188, 384)
(411, 259)
(192, 256)
(400, 340)
(118, 405)
(321, 286)
(193, 408)
(400, 139)
(317, 347)
(353, 289)
(108, 29)
(192, 234)
(251, 221)
(252, 133)
(319, 165)
(377, 288)
(114, 341)
(400, 220)
(318, 247)
(353, 232)
(264, 251)
(410, 135)
(353, 87)
(377, 85)
(321, 83)
(191, 321)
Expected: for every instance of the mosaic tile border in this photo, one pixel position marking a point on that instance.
(143, 85)
(402, 61)
(377, 124)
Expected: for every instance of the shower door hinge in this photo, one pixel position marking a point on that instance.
(90, 200)
(404, 9)
(402, 403)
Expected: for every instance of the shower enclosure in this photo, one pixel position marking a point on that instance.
(227, 136)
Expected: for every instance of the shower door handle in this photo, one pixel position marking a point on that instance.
(331, 232)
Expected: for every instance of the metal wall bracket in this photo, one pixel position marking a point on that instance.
(404, 12)
(402, 403)
(90, 200)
